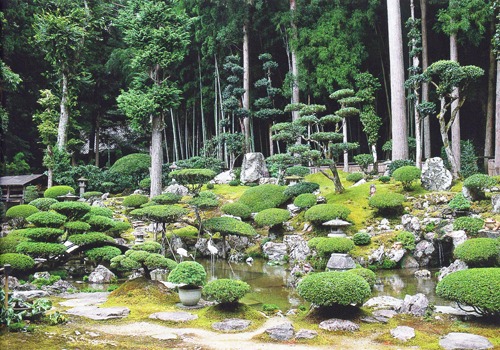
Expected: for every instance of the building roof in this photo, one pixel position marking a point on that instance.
(19, 180)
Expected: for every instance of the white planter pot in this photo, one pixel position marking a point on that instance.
(190, 297)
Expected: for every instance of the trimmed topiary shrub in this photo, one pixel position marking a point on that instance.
(229, 226)
(43, 234)
(56, 191)
(135, 200)
(478, 289)
(468, 224)
(18, 214)
(127, 171)
(237, 209)
(43, 204)
(41, 249)
(186, 231)
(145, 184)
(210, 186)
(367, 274)
(47, 219)
(363, 160)
(387, 203)
(305, 200)
(92, 195)
(459, 203)
(118, 228)
(477, 183)
(406, 175)
(272, 217)
(72, 210)
(324, 212)
(189, 273)
(354, 177)
(76, 227)
(384, 179)
(479, 252)
(297, 170)
(136, 259)
(9, 243)
(325, 246)
(102, 254)
(160, 213)
(193, 179)
(263, 197)
(361, 238)
(226, 290)
(151, 247)
(100, 223)
(299, 188)
(89, 238)
(18, 262)
(167, 198)
(234, 183)
(407, 239)
(99, 211)
(396, 164)
(334, 288)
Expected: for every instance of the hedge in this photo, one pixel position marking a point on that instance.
(89, 238)
(43, 204)
(43, 234)
(272, 217)
(18, 262)
(151, 247)
(56, 191)
(396, 164)
(47, 219)
(72, 210)
(41, 249)
(263, 197)
(135, 200)
(226, 290)
(479, 252)
(387, 202)
(186, 231)
(325, 246)
(92, 195)
(9, 243)
(237, 209)
(477, 183)
(19, 213)
(468, 224)
(299, 188)
(99, 211)
(305, 200)
(161, 213)
(297, 170)
(325, 212)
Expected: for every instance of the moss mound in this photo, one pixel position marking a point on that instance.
(134, 292)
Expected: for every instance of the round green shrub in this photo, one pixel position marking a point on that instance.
(387, 202)
(193, 179)
(263, 197)
(237, 209)
(18, 214)
(325, 212)
(145, 184)
(158, 261)
(297, 170)
(72, 210)
(100, 223)
(363, 160)
(92, 195)
(18, 262)
(476, 288)
(135, 200)
(210, 186)
(43, 204)
(361, 238)
(166, 198)
(41, 249)
(299, 188)
(189, 273)
(305, 200)
(468, 224)
(76, 227)
(234, 183)
(186, 231)
(334, 288)
(118, 228)
(9, 243)
(367, 274)
(272, 217)
(407, 239)
(135, 165)
(384, 179)
(150, 246)
(229, 226)
(477, 183)
(43, 234)
(101, 254)
(406, 175)
(396, 164)
(47, 219)
(204, 200)
(459, 203)
(325, 246)
(354, 177)
(89, 238)
(99, 211)
(479, 252)
(160, 213)
(226, 290)
(56, 191)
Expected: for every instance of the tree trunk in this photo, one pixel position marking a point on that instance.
(425, 86)
(295, 64)
(246, 85)
(203, 125)
(344, 139)
(455, 127)
(97, 140)
(174, 132)
(156, 156)
(334, 177)
(50, 172)
(64, 115)
(490, 109)
(397, 73)
(497, 123)
(375, 159)
(446, 142)
(416, 101)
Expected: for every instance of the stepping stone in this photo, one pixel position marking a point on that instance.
(336, 324)
(85, 299)
(30, 294)
(464, 341)
(179, 316)
(306, 334)
(384, 313)
(374, 319)
(281, 332)
(384, 302)
(96, 313)
(403, 333)
(231, 324)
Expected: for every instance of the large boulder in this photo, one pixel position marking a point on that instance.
(101, 274)
(336, 324)
(415, 305)
(281, 332)
(464, 341)
(177, 189)
(339, 261)
(423, 252)
(224, 178)
(275, 251)
(495, 203)
(403, 333)
(435, 177)
(253, 168)
(384, 302)
(455, 266)
(297, 246)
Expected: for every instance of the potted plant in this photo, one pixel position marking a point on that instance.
(190, 276)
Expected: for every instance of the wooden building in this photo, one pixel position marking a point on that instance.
(13, 186)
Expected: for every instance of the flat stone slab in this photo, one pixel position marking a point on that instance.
(384, 313)
(449, 310)
(231, 325)
(96, 313)
(84, 299)
(384, 302)
(374, 319)
(30, 294)
(306, 334)
(464, 341)
(336, 324)
(178, 316)
(281, 332)
(139, 329)
(403, 333)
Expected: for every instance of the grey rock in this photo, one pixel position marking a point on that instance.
(340, 262)
(58, 287)
(423, 252)
(42, 274)
(450, 310)
(96, 313)
(457, 237)
(306, 334)
(495, 203)
(336, 324)
(409, 262)
(281, 332)
(457, 265)
(360, 182)
(293, 209)
(396, 254)
(13, 283)
(84, 299)
(224, 178)
(422, 274)
(268, 180)
(231, 324)
(297, 247)
(374, 319)
(275, 251)
(384, 313)
(384, 302)
(403, 333)
(464, 341)
(178, 316)
(176, 189)
(101, 274)
(159, 274)
(253, 167)
(415, 305)
(435, 176)
(30, 294)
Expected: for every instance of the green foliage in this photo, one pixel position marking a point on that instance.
(263, 197)
(354, 177)
(325, 212)
(387, 264)
(407, 239)
(101, 254)
(39, 282)
(300, 188)
(135, 200)
(118, 228)
(127, 171)
(43, 204)
(225, 290)
(19, 213)
(237, 209)
(18, 166)
(99, 211)
(325, 246)
(30, 194)
(193, 179)
(189, 273)
(477, 183)
(89, 238)
(145, 184)
(272, 217)
(76, 227)
(305, 200)
(210, 186)
(18, 262)
(476, 288)
(72, 210)
(459, 202)
(166, 198)
(367, 274)
(204, 200)
(406, 175)
(334, 288)
(161, 213)
(56, 191)
(361, 238)
(47, 219)
(100, 223)
(234, 183)
(9, 242)
(43, 234)
(468, 224)
(298, 170)
(201, 162)
(364, 160)
(151, 247)
(388, 203)
(229, 226)
(398, 163)
(92, 195)
(384, 179)
(186, 231)
(41, 249)
(468, 159)
(479, 252)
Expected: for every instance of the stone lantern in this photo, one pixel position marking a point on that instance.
(82, 183)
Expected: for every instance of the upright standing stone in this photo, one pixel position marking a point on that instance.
(435, 177)
(253, 168)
